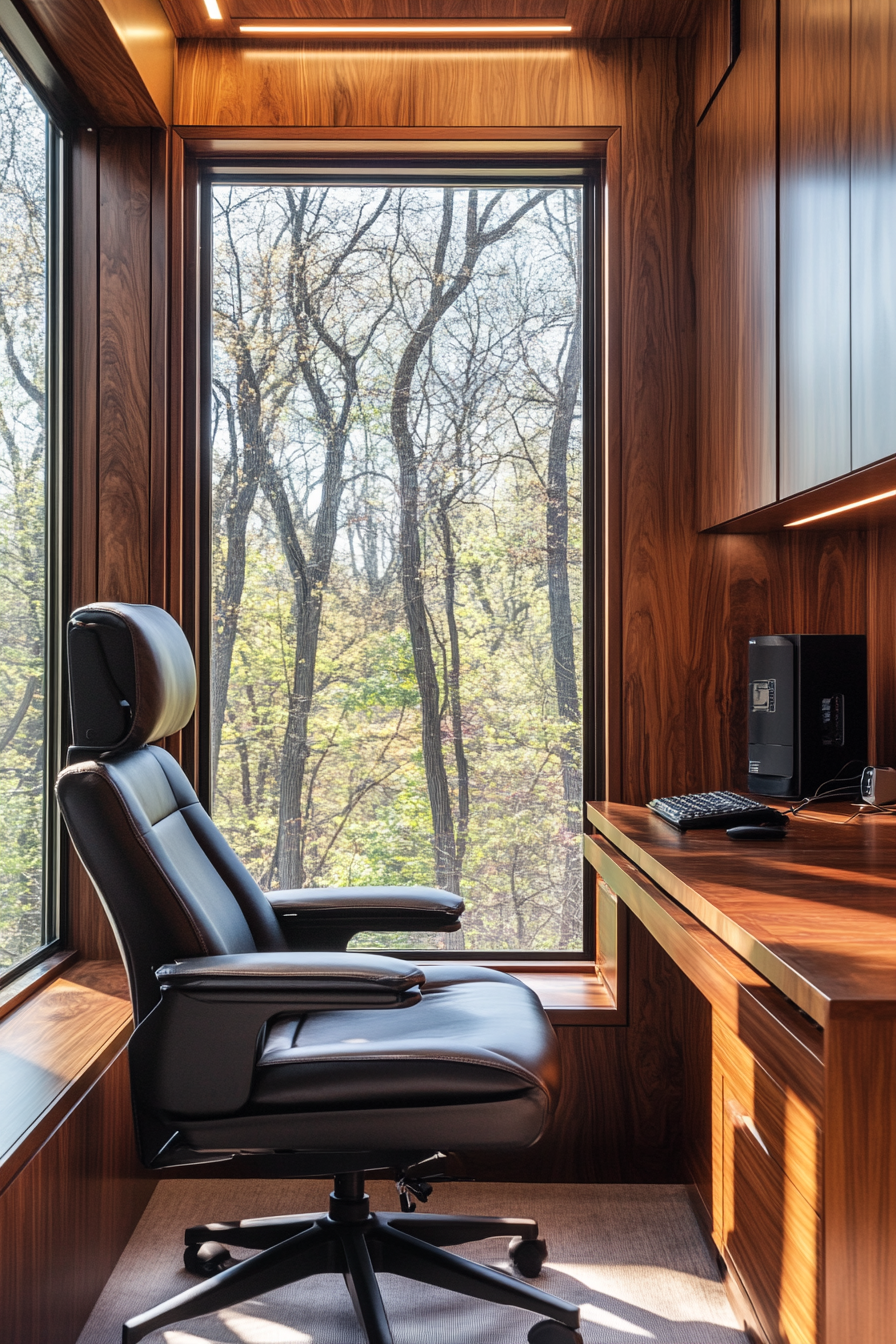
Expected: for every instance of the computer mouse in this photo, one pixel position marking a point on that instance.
(756, 832)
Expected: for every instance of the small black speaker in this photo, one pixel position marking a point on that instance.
(807, 712)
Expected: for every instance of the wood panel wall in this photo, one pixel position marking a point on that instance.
(121, 444)
(682, 603)
(67, 1216)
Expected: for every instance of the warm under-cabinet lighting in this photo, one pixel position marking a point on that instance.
(213, 10)
(348, 29)
(842, 508)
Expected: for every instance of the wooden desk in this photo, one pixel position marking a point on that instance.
(792, 1140)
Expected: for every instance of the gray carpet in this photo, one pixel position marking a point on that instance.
(631, 1255)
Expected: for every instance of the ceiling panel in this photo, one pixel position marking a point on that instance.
(589, 18)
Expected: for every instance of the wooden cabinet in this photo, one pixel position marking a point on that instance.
(797, 370)
(873, 215)
(735, 271)
(814, 376)
(767, 1190)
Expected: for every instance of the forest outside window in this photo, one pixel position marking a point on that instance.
(29, 146)
(397, 550)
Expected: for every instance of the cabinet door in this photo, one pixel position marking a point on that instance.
(814, 328)
(735, 273)
(873, 201)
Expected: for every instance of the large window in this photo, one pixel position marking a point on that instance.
(27, 146)
(397, 544)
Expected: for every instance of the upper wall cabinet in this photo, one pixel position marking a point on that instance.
(797, 375)
(814, 355)
(873, 230)
(735, 271)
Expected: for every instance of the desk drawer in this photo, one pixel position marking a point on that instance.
(771, 1234)
(780, 1122)
(767, 1190)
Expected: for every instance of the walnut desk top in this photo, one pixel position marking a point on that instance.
(815, 914)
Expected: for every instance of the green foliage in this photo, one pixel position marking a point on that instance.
(483, 403)
(22, 515)
(387, 679)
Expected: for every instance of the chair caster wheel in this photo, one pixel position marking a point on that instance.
(552, 1332)
(208, 1259)
(527, 1257)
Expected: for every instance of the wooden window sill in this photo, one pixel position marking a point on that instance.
(30, 981)
(53, 1048)
(572, 998)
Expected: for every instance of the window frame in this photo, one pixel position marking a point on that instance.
(34, 68)
(588, 169)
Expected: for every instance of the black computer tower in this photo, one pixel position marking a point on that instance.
(807, 712)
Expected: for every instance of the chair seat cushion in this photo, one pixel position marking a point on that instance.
(476, 1035)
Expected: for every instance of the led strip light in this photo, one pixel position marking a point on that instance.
(829, 513)
(348, 28)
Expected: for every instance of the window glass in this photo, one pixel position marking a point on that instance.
(396, 538)
(23, 439)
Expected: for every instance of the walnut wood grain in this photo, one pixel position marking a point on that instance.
(572, 1000)
(789, 1129)
(881, 635)
(788, 1046)
(814, 233)
(862, 484)
(124, 365)
(29, 982)
(53, 1047)
(606, 19)
(717, 48)
(872, 211)
(232, 83)
(815, 917)
(860, 1182)
(770, 1232)
(88, 928)
(656, 477)
(84, 39)
(68, 1215)
(735, 273)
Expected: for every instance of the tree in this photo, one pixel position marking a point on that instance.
(309, 301)
(23, 208)
(324, 719)
(444, 291)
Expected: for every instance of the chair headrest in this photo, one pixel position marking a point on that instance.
(132, 678)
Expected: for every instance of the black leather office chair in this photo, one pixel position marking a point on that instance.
(350, 1063)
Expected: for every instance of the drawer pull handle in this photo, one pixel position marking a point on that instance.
(741, 1120)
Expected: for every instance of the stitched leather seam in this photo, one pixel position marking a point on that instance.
(373, 903)
(238, 973)
(516, 1069)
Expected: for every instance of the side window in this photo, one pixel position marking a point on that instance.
(27, 141)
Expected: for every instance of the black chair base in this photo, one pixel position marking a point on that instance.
(358, 1244)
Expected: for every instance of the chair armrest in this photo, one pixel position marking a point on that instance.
(195, 1053)
(304, 981)
(328, 917)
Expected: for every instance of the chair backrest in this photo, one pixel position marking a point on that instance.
(170, 883)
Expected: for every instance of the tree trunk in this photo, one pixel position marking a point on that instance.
(455, 940)
(562, 637)
(444, 293)
(236, 522)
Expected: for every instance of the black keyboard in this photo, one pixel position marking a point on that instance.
(688, 811)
